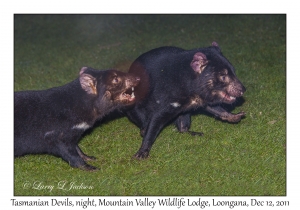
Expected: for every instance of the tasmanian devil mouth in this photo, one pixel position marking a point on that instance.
(129, 94)
(230, 97)
(227, 98)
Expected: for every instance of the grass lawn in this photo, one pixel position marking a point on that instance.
(248, 158)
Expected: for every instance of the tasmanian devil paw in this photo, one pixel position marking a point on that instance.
(140, 155)
(236, 117)
(88, 168)
(89, 158)
(242, 114)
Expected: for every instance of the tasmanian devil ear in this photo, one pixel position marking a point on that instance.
(87, 81)
(199, 62)
(215, 44)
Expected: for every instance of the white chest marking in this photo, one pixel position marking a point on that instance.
(81, 126)
(175, 104)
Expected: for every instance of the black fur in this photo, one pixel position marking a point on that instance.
(174, 82)
(52, 121)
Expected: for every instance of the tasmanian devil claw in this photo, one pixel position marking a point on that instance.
(140, 155)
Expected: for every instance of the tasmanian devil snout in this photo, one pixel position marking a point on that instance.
(52, 121)
(175, 81)
(232, 89)
(236, 89)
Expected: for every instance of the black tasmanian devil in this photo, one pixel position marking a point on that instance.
(52, 121)
(175, 81)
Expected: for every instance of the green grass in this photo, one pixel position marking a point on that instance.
(248, 158)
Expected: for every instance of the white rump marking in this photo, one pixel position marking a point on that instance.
(175, 104)
(48, 133)
(83, 126)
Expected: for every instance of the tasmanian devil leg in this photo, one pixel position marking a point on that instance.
(151, 132)
(183, 123)
(138, 118)
(218, 111)
(71, 155)
(84, 156)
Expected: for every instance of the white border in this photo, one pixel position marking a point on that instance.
(8, 8)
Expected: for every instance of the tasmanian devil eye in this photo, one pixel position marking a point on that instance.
(116, 80)
(223, 78)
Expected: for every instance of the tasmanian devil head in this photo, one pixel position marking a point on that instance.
(111, 86)
(120, 86)
(216, 80)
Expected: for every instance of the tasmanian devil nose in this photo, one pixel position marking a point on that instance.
(240, 88)
(243, 90)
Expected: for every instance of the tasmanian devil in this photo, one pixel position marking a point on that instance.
(52, 121)
(174, 82)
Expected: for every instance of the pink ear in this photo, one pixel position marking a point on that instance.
(199, 62)
(215, 44)
(88, 82)
(83, 70)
